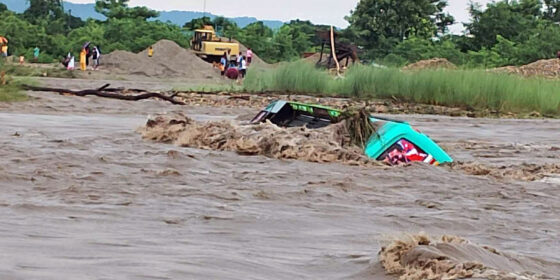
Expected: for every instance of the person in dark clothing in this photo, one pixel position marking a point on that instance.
(223, 64)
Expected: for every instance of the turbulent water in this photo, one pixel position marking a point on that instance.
(85, 197)
(324, 145)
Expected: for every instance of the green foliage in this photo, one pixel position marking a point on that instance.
(258, 37)
(505, 33)
(11, 91)
(136, 35)
(22, 34)
(389, 32)
(222, 26)
(284, 44)
(464, 88)
(415, 49)
(508, 19)
(118, 9)
(44, 9)
(50, 14)
(303, 35)
(297, 77)
(379, 25)
(198, 23)
(57, 34)
(552, 10)
(226, 27)
(26, 71)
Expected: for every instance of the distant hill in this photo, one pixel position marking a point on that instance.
(86, 11)
(15, 5)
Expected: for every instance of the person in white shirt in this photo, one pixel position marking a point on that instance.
(239, 58)
(71, 63)
(242, 66)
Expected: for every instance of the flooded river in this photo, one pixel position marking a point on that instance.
(83, 196)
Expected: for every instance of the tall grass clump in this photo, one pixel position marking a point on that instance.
(296, 77)
(27, 71)
(12, 92)
(462, 88)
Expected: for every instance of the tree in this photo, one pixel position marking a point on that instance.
(283, 45)
(381, 24)
(3, 7)
(226, 27)
(304, 35)
(443, 21)
(118, 9)
(198, 23)
(136, 35)
(22, 34)
(44, 9)
(50, 15)
(505, 18)
(552, 10)
(258, 37)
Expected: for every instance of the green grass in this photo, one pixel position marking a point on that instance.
(210, 88)
(477, 89)
(11, 93)
(26, 71)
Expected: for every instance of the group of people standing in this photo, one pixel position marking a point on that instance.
(237, 68)
(36, 52)
(86, 53)
(4, 50)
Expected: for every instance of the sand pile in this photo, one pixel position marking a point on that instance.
(434, 63)
(419, 257)
(169, 60)
(329, 144)
(257, 61)
(313, 59)
(549, 68)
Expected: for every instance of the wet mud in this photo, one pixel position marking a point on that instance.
(84, 196)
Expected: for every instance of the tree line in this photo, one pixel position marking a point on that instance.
(46, 25)
(502, 33)
(393, 32)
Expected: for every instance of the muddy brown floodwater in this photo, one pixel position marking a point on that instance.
(83, 196)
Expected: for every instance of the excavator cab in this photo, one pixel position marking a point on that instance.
(202, 35)
(210, 47)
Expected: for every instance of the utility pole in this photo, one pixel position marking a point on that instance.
(204, 15)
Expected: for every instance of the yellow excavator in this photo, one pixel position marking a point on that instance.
(209, 46)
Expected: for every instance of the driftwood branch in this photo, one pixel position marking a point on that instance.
(104, 87)
(123, 89)
(241, 97)
(101, 92)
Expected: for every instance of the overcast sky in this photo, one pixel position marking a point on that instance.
(318, 11)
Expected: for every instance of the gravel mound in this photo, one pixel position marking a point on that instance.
(434, 63)
(549, 68)
(169, 60)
